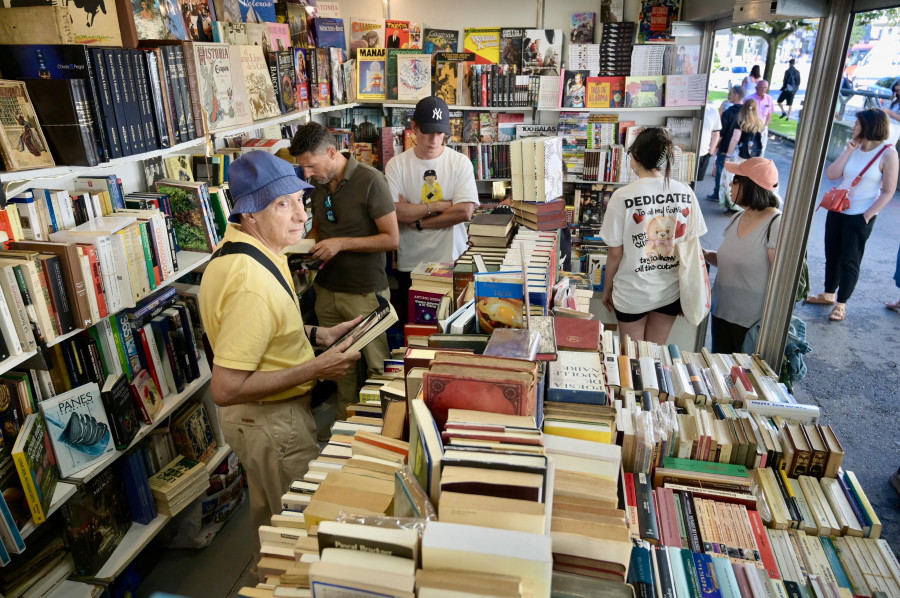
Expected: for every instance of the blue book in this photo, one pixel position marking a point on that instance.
(728, 583)
(330, 33)
(258, 11)
(706, 574)
(640, 571)
(9, 531)
(130, 472)
(834, 560)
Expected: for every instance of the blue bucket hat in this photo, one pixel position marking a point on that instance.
(258, 178)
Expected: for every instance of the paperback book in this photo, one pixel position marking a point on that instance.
(263, 103)
(36, 465)
(440, 40)
(396, 34)
(413, 77)
(484, 43)
(365, 33)
(371, 74)
(215, 87)
(542, 52)
(78, 428)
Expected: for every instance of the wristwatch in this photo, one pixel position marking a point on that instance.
(419, 224)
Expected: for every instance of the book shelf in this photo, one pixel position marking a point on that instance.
(170, 405)
(63, 492)
(135, 540)
(396, 104)
(76, 589)
(280, 120)
(662, 109)
(221, 454)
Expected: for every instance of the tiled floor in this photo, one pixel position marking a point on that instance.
(217, 571)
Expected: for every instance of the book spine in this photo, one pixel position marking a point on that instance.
(62, 304)
(190, 72)
(96, 279)
(178, 53)
(143, 96)
(32, 495)
(649, 529)
(180, 122)
(168, 350)
(149, 258)
(272, 61)
(103, 93)
(154, 362)
(158, 103)
(129, 99)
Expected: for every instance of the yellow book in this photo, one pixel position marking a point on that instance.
(592, 432)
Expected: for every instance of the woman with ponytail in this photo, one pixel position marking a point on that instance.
(643, 223)
(745, 143)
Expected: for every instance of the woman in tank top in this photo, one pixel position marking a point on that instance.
(751, 80)
(846, 232)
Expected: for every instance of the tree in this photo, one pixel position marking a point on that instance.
(773, 32)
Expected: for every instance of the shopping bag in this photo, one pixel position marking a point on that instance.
(693, 278)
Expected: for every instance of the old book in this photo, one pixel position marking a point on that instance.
(216, 86)
(78, 428)
(574, 334)
(493, 511)
(371, 83)
(400, 543)
(263, 103)
(34, 463)
(22, 143)
(192, 433)
(577, 377)
(372, 326)
(176, 476)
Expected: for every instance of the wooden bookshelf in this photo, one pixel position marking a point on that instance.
(170, 404)
(63, 492)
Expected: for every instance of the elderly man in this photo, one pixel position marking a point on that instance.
(264, 366)
(766, 106)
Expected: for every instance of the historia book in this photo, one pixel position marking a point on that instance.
(215, 85)
(22, 143)
(78, 428)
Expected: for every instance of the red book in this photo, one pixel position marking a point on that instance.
(451, 386)
(418, 330)
(420, 357)
(575, 334)
(6, 226)
(423, 304)
(97, 278)
(150, 365)
(762, 543)
(631, 504)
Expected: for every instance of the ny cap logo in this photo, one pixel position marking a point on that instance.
(436, 114)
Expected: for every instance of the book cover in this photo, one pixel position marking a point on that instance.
(330, 33)
(301, 78)
(146, 395)
(478, 389)
(365, 33)
(261, 94)
(447, 75)
(370, 83)
(22, 143)
(582, 28)
(542, 52)
(257, 11)
(198, 19)
(499, 301)
(655, 21)
(215, 83)
(320, 92)
(278, 37)
(605, 92)
(295, 15)
(484, 42)
(511, 40)
(644, 92)
(65, 113)
(423, 304)
(36, 464)
(287, 80)
(336, 58)
(189, 219)
(96, 520)
(391, 70)
(440, 40)
(193, 435)
(577, 377)
(175, 476)
(413, 77)
(121, 410)
(685, 90)
(396, 34)
(574, 89)
(78, 428)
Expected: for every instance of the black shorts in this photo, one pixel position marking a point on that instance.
(786, 96)
(672, 309)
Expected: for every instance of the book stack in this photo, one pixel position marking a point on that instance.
(490, 160)
(542, 216)
(429, 293)
(537, 168)
(615, 49)
(362, 485)
(177, 484)
(491, 230)
(573, 129)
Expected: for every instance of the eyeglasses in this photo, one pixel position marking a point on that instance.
(329, 211)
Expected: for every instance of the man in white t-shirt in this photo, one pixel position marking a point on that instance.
(434, 190)
(709, 138)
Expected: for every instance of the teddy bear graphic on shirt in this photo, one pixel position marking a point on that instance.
(660, 237)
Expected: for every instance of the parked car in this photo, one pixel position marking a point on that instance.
(855, 55)
(726, 77)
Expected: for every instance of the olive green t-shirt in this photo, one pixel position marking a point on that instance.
(361, 198)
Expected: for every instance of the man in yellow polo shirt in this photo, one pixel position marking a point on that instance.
(264, 366)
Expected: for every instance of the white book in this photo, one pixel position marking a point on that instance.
(107, 343)
(157, 361)
(164, 358)
(280, 535)
(90, 290)
(8, 328)
(17, 308)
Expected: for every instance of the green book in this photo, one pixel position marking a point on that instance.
(37, 472)
(148, 255)
(834, 560)
(120, 347)
(392, 70)
(693, 582)
(705, 467)
(217, 199)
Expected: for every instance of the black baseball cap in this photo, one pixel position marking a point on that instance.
(432, 115)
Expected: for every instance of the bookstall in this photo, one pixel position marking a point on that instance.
(604, 467)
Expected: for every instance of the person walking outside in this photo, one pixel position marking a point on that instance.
(874, 162)
(789, 87)
(766, 108)
(750, 81)
(745, 143)
(729, 122)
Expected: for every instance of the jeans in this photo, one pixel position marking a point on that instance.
(845, 243)
(727, 337)
(720, 166)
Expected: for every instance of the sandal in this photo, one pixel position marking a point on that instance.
(818, 300)
(838, 314)
(893, 305)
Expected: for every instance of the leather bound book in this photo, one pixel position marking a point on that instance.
(66, 117)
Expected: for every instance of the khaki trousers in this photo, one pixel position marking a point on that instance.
(275, 443)
(332, 309)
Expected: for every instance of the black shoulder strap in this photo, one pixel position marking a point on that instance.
(769, 228)
(239, 247)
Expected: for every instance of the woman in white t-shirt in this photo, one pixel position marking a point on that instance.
(643, 223)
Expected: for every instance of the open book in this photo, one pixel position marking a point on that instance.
(371, 327)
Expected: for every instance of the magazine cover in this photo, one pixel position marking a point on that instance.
(440, 40)
(415, 36)
(215, 84)
(365, 33)
(511, 40)
(22, 142)
(396, 34)
(257, 11)
(78, 428)
(370, 74)
(542, 52)
(260, 92)
(484, 43)
(413, 77)
(656, 18)
(582, 28)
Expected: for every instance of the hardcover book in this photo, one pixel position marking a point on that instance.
(96, 520)
(189, 217)
(214, 78)
(365, 33)
(542, 52)
(294, 14)
(36, 466)
(121, 410)
(146, 395)
(413, 77)
(370, 83)
(286, 79)
(655, 21)
(258, 84)
(192, 433)
(301, 78)
(22, 143)
(484, 42)
(511, 40)
(577, 377)
(644, 92)
(440, 40)
(330, 33)
(258, 11)
(65, 112)
(78, 428)
(605, 92)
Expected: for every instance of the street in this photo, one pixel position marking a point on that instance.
(854, 368)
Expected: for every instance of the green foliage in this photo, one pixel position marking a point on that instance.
(773, 32)
(188, 220)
